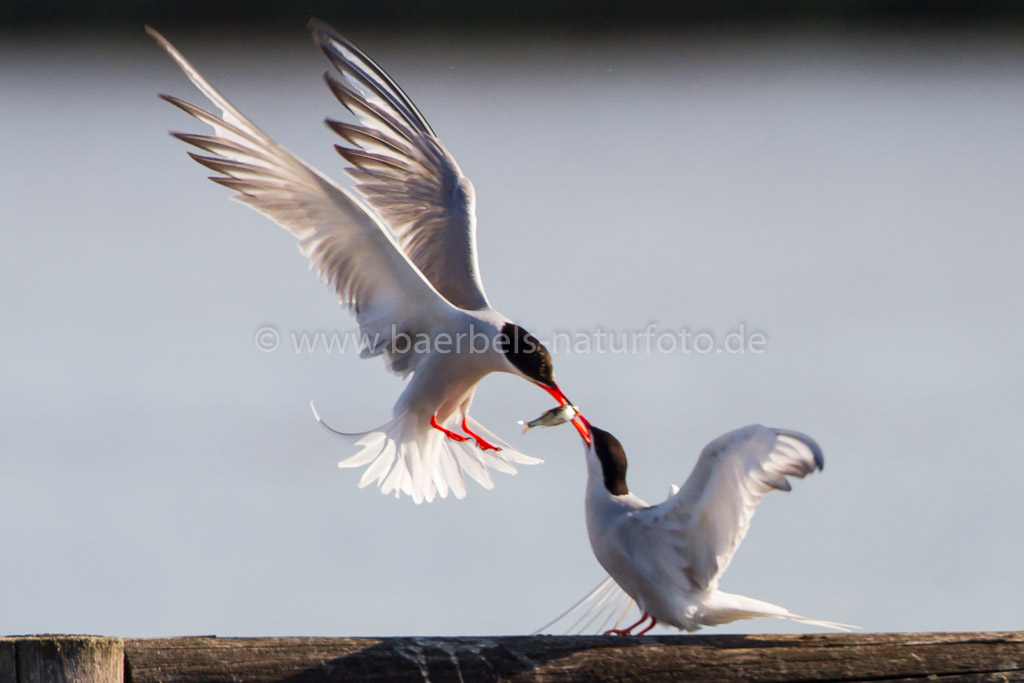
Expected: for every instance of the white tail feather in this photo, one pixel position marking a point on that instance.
(721, 608)
(407, 455)
(607, 600)
(599, 605)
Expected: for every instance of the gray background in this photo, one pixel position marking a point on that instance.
(854, 195)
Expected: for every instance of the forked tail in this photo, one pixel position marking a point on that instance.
(605, 606)
(608, 605)
(721, 608)
(407, 455)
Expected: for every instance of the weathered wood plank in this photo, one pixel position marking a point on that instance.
(68, 659)
(8, 660)
(550, 659)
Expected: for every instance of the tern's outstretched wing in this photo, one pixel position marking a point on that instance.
(345, 243)
(405, 173)
(700, 527)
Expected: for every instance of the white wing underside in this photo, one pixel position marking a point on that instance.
(405, 173)
(371, 272)
(345, 243)
(698, 529)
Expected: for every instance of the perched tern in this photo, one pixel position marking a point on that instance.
(404, 261)
(668, 558)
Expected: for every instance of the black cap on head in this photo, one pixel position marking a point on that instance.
(613, 461)
(527, 354)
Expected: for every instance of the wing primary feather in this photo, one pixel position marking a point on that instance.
(404, 172)
(240, 186)
(347, 244)
(219, 145)
(225, 166)
(819, 457)
(368, 159)
(363, 137)
(364, 109)
(208, 118)
(713, 509)
(361, 79)
(395, 94)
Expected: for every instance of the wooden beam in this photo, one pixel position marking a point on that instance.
(8, 660)
(564, 659)
(972, 657)
(61, 659)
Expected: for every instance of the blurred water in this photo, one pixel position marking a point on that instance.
(856, 198)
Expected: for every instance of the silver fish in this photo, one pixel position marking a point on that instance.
(552, 418)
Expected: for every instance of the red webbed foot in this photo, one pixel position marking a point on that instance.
(482, 443)
(447, 432)
(654, 622)
(628, 631)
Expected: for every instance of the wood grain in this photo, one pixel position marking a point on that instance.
(8, 660)
(61, 659)
(846, 657)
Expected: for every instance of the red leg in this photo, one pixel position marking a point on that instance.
(654, 622)
(627, 631)
(447, 432)
(482, 443)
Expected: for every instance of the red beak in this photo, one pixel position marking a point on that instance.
(579, 422)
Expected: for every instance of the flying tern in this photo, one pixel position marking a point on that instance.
(403, 259)
(668, 558)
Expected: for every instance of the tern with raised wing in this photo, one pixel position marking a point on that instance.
(668, 558)
(403, 259)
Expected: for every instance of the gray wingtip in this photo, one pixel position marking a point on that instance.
(317, 26)
(819, 456)
(157, 36)
(322, 30)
